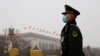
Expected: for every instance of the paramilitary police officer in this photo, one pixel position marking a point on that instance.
(71, 37)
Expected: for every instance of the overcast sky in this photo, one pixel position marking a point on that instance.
(46, 14)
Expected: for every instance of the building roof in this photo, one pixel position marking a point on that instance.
(36, 35)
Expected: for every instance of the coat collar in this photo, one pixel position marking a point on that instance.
(71, 22)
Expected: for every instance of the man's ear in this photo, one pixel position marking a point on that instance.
(73, 16)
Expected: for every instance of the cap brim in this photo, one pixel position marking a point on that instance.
(64, 13)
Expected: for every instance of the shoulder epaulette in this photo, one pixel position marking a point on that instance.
(73, 25)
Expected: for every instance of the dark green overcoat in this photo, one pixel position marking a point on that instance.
(71, 40)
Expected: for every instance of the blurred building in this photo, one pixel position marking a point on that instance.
(41, 42)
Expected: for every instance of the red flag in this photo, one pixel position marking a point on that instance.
(25, 27)
(40, 30)
(33, 28)
(49, 32)
(46, 31)
(43, 30)
(29, 27)
(54, 32)
(37, 29)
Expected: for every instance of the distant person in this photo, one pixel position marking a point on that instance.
(71, 37)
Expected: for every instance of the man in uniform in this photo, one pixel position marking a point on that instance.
(71, 37)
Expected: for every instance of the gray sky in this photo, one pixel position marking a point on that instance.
(46, 14)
